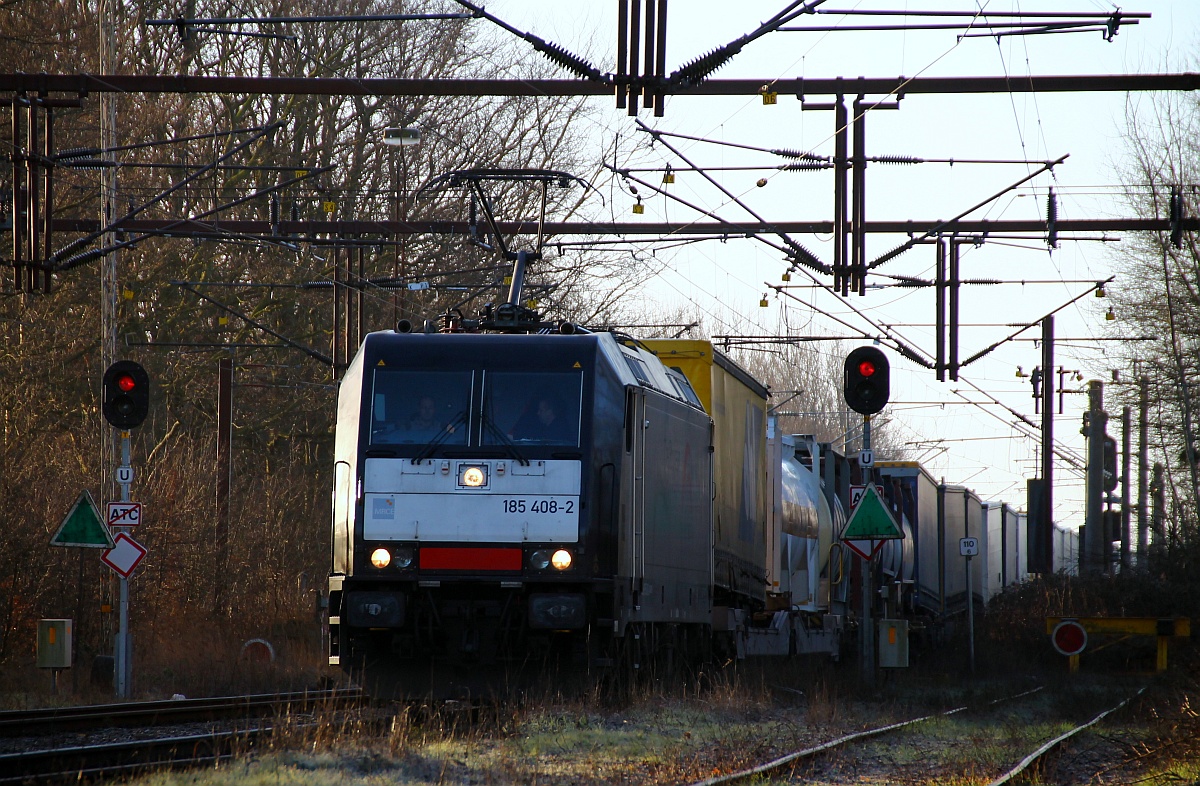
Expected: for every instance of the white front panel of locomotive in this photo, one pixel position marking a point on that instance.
(430, 501)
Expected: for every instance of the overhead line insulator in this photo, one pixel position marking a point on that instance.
(806, 257)
(1176, 217)
(911, 354)
(79, 259)
(90, 164)
(571, 62)
(897, 160)
(895, 252)
(806, 155)
(695, 72)
(1051, 219)
(77, 152)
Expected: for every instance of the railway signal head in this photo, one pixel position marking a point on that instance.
(126, 394)
(866, 382)
(1110, 464)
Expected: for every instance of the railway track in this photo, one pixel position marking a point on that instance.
(906, 751)
(91, 742)
(90, 762)
(51, 720)
(788, 767)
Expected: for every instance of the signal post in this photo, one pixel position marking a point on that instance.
(125, 404)
(866, 388)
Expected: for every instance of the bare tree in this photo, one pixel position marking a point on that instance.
(1157, 293)
(322, 158)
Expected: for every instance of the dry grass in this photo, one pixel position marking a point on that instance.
(653, 736)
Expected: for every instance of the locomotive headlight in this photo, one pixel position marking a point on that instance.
(561, 559)
(403, 557)
(472, 475)
(539, 560)
(381, 558)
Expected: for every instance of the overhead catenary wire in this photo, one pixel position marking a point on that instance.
(182, 21)
(801, 254)
(738, 228)
(1012, 336)
(934, 230)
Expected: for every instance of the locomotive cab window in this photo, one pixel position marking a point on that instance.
(638, 367)
(683, 387)
(531, 408)
(418, 407)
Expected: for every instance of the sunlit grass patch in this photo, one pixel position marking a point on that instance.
(351, 768)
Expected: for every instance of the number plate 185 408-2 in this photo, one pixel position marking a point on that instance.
(539, 506)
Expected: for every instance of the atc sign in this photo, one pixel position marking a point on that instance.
(856, 495)
(124, 514)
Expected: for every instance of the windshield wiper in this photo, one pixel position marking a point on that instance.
(505, 441)
(440, 437)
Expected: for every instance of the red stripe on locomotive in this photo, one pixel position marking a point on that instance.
(470, 559)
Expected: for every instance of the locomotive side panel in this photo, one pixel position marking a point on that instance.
(737, 404)
(666, 531)
(608, 448)
(345, 450)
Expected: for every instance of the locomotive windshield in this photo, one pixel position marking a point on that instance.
(532, 408)
(416, 407)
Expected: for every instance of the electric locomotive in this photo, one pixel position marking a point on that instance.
(515, 500)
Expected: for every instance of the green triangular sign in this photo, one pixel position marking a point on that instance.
(871, 519)
(83, 526)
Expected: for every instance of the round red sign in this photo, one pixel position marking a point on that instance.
(1069, 637)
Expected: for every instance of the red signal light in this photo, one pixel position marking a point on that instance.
(126, 394)
(865, 380)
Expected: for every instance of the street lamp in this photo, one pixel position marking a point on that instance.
(401, 137)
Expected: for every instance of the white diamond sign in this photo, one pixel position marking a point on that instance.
(124, 556)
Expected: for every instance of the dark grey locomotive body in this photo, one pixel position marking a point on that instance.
(505, 500)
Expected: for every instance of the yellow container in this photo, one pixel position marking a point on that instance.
(737, 403)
